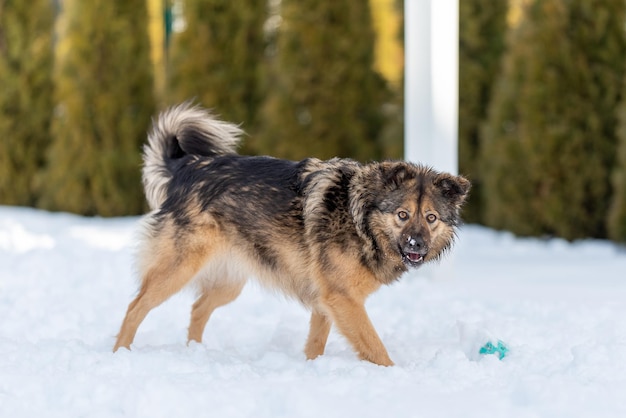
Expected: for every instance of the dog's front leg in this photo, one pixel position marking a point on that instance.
(318, 335)
(352, 321)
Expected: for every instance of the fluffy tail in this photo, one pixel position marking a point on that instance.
(182, 130)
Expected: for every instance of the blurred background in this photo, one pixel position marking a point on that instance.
(542, 97)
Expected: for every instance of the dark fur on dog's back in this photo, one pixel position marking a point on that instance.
(327, 233)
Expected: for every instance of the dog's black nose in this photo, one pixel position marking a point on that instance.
(416, 244)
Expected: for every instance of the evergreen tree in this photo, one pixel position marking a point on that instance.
(326, 99)
(105, 101)
(392, 135)
(26, 60)
(616, 222)
(217, 59)
(482, 33)
(551, 135)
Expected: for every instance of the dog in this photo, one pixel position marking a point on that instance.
(327, 233)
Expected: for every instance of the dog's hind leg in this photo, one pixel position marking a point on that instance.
(318, 335)
(168, 275)
(212, 297)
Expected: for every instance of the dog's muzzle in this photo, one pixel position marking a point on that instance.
(414, 251)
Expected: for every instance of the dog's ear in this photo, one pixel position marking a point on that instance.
(453, 188)
(394, 173)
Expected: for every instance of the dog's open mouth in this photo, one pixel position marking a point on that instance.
(412, 259)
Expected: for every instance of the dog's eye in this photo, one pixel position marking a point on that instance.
(403, 215)
(431, 217)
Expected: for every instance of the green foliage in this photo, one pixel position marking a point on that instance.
(326, 99)
(26, 58)
(392, 135)
(550, 139)
(104, 93)
(217, 59)
(482, 33)
(616, 222)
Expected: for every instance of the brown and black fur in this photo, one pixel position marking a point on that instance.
(327, 233)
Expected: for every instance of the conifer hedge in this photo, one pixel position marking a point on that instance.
(482, 32)
(26, 59)
(325, 99)
(217, 59)
(550, 139)
(616, 221)
(104, 95)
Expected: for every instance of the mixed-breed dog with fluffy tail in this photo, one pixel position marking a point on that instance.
(326, 233)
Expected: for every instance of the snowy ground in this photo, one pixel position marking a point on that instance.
(65, 283)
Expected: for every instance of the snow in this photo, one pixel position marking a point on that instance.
(66, 281)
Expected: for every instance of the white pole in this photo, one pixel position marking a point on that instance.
(445, 89)
(417, 81)
(431, 83)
